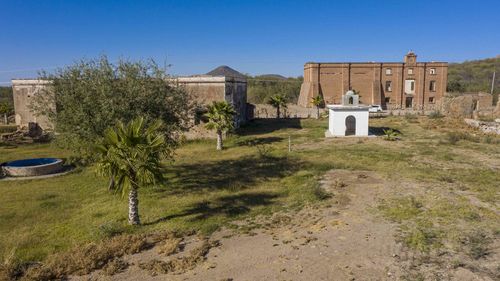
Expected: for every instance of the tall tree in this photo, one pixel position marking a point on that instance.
(278, 102)
(131, 154)
(89, 96)
(317, 101)
(220, 118)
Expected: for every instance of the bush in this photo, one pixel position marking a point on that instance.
(391, 135)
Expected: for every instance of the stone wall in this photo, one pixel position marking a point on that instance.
(486, 127)
(468, 105)
(292, 111)
(24, 91)
(207, 89)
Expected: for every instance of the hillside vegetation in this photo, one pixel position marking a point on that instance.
(261, 88)
(473, 76)
(6, 95)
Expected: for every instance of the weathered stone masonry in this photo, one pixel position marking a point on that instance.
(411, 84)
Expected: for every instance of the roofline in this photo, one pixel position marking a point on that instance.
(373, 62)
(30, 81)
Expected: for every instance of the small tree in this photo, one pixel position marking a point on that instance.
(131, 154)
(6, 109)
(278, 102)
(91, 95)
(220, 118)
(317, 101)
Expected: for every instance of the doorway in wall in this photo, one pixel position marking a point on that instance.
(409, 102)
(350, 126)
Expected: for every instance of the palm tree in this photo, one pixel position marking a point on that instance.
(131, 155)
(317, 101)
(220, 118)
(277, 101)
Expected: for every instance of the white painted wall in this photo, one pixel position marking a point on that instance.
(338, 115)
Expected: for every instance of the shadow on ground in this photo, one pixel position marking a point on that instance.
(230, 174)
(268, 125)
(229, 205)
(379, 131)
(258, 141)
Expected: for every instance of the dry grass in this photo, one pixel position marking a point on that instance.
(115, 266)
(181, 264)
(169, 246)
(83, 260)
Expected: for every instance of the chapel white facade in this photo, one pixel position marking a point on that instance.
(349, 118)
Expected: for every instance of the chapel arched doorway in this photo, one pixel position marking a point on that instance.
(350, 126)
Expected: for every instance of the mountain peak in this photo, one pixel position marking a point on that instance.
(225, 70)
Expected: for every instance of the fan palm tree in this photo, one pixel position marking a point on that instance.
(278, 102)
(131, 155)
(317, 101)
(220, 118)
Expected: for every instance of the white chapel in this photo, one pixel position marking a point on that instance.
(349, 118)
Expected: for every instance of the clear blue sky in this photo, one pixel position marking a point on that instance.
(254, 37)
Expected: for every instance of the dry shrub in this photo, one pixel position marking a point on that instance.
(115, 266)
(169, 246)
(11, 268)
(181, 264)
(85, 259)
(339, 184)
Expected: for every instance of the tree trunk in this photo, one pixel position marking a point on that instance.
(219, 140)
(5, 119)
(111, 184)
(317, 112)
(133, 206)
(278, 112)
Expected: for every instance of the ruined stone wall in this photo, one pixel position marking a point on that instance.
(468, 105)
(207, 89)
(24, 92)
(293, 111)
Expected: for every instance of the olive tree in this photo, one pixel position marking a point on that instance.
(89, 96)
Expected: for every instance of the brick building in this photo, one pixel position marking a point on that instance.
(394, 85)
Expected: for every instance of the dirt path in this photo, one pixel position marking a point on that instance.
(342, 241)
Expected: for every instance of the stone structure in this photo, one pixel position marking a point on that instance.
(222, 84)
(484, 126)
(24, 90)
(394, 85)
(467, 105)
(349, 118)
(292, 111)
(207, 89)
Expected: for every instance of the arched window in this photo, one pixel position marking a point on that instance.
(351, 100)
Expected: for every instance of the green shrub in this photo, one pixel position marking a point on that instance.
(422, 237)
(391, 135)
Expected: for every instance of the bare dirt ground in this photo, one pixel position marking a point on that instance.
(344, 239)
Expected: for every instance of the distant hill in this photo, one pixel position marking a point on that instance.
(474, 76)
(225, 70)
(270, 77)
